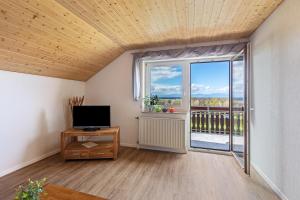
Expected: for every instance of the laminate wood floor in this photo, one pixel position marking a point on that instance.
(144, 174)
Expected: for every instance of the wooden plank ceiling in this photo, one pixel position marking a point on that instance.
(74, 39)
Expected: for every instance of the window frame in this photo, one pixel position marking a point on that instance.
(146, 83)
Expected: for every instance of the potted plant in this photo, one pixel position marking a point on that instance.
(154, 100)
(147, 103)
(31, 191)
(165, 109)
(157, 108)
(151, 103)
(171, 108)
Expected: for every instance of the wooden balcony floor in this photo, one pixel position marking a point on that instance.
(215, 141)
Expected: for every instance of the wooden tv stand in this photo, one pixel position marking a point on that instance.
(71, 148)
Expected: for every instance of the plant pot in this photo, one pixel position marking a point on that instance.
(165, 110)
(171, 110)
(157, 108)
(149, 108)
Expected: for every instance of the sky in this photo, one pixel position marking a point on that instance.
(207, 80)
(166, 81)
(210, 79)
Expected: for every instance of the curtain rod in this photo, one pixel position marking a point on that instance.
(212, 43)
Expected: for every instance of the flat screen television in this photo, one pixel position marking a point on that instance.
(91, 117)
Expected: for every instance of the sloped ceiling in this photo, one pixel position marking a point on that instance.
(74, 39)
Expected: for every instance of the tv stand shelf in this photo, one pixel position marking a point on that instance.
(73, 149)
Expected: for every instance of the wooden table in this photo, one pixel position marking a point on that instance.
(73, 149)
(55, 192)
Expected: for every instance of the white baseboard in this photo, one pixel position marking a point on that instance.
(162, 149)
(153, 148)
(128, 145)
(25, 164)
(269, 182)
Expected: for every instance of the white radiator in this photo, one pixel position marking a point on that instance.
(162, 132)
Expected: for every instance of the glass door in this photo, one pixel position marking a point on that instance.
(238, 110)
(210, 123)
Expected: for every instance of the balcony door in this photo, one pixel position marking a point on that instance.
(218, 106)
(238, 110)
(210, 119)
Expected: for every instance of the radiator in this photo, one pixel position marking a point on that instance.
(162, 132)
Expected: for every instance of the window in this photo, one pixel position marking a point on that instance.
(165, 80)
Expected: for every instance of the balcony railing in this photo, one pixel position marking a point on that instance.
(216, 120)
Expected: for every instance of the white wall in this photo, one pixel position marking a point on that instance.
(33, 113)
(113, 86)
(275, 124)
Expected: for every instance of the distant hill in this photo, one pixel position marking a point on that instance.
(214, 95)
(169, 97)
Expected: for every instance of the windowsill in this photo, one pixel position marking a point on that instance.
(167, 113)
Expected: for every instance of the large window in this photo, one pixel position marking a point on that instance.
(165, 80)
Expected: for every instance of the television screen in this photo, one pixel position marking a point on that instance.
(86, 117)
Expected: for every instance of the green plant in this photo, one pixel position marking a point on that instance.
(154, 100)
(147, 101)
(31, 191)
